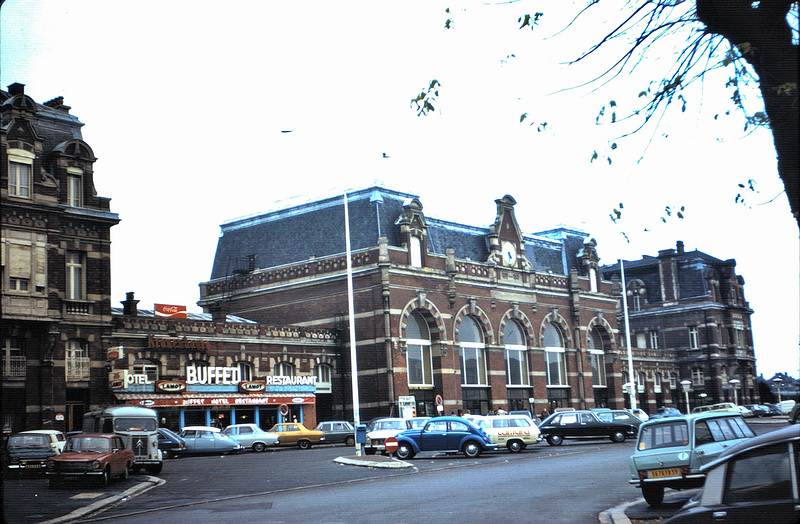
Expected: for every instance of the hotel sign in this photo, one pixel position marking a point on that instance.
(259, 400)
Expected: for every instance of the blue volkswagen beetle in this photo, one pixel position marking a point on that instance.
(447, 434)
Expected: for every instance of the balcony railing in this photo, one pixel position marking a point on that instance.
(77, 368)
(77, 308)
(13, 366)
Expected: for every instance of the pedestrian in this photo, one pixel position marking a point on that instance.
(502, 411)
(545, 414)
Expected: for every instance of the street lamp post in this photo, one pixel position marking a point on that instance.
(686, 384)
(734, 382)
(777, 382)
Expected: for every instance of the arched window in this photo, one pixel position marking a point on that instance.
(418, 351)
(324, 373)
(284, 369)
(516, 355)
(245, 371)
(554, 356)
(597, 357)
(147, 368)
(641, 380)
(473, 357)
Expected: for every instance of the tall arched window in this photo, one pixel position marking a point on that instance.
(284, 369)
(554, 356)
(473, 357)
(597, 357)
(516, 355)
(245, 371)
(324, 373)
(418, 351)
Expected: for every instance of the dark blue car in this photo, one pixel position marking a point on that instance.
(447, 434)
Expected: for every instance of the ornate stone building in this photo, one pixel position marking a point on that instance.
(689, 322)
(448, 317)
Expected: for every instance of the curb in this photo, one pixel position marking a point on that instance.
(373, 462)
(138, 489)
(616, 515)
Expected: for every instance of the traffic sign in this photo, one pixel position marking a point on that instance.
(391, 444)
(438, 400)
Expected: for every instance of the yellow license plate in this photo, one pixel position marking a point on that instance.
(661, 473)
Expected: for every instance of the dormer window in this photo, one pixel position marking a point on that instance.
(74, 187)
(415, 251)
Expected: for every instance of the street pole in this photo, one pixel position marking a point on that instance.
(685, 384)
(351, 309)
(631, 377)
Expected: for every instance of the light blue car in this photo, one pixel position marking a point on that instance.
(206, 439)
(670, 451)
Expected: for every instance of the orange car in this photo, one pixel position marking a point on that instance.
(100, 456)
(295, 434)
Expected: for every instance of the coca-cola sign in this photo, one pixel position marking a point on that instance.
(170, 311)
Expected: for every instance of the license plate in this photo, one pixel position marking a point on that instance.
(661, 473)
(34, 466)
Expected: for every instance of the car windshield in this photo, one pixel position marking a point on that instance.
(389, 424)
(88, 444)
(417, 423)
(134, 424)
(28, 441)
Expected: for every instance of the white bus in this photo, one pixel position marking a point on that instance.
(138, 427)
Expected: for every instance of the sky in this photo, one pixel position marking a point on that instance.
(187, 107)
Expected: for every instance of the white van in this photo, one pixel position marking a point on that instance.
(515, 432)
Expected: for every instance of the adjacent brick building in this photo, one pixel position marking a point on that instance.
(689, 320)
(479, 318)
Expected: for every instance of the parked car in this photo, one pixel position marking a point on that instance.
(97, 456)
(583, 424)
(665, 412)
(296, 434)
(619, 415)
(26, 453)
(640, 414)
(381, 429)
(758, 410)
(56, 438)
(252, 436)
(170, 443)
(523, 412)
(754, 481)
(774, 409)
(207, 439)
(794, 414)
(513, 432)
(670, 451)
(447, 434)
(337, 432)
(720, 406)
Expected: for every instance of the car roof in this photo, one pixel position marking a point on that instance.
(206, 428)
(786, 434)
(695, 416)
(42, 431)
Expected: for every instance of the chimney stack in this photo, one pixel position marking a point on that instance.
(680, 247)
(129, 305)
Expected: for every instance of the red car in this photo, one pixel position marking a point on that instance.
(100, 456)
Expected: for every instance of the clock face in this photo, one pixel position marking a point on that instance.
(509, 254)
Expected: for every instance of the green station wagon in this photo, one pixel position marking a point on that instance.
(670, 451)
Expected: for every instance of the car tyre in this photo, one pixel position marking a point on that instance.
(105, 479)
(404, 451)
(653, 494)
(125, 473)
(514, 446)
(555, 440)
(370, 451)
(349, 441)
(154, 469)
(304, 444)
(471, 449)
(167, 454)
(258, 447)
(617, 436)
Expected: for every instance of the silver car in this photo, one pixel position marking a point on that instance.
(205, 439)
(251, 436)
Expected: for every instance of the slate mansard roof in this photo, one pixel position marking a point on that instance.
(693, 269)
(300, 232)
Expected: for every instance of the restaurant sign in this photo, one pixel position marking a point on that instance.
(259, 400)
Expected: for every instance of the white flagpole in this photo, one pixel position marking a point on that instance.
(351, 308)
(631, 376)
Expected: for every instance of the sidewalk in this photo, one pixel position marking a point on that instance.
(373, 461)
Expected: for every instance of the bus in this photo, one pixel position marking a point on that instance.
(138, 427)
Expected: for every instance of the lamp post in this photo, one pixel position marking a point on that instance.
(686, 384)
(703, 398)
(777, 382)
(734, 382)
